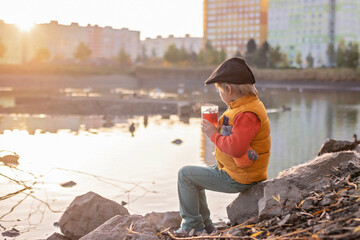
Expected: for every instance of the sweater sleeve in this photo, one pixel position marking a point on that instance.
(246, 126)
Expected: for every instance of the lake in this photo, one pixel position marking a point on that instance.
(101, 155)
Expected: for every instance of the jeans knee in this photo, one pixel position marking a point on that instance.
(183, 172)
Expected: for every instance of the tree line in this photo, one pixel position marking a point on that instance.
(264, 56)
(81, 54)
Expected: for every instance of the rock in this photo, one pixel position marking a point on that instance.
(87, 212)
(57, 236)
(321, 185)
(164, 220)
(308, 204)
(10, 159)
(325, 201)
(307, 174)
(289, 195)
(68, 184)
(11, 233)
(220, 225)
(245, 206)
(143, 228)
(331, 145)
(285, 220)
(184, 109)
(234, 232)
(291, 183)
(357, 149)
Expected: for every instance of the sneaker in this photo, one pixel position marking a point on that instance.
(201, 232)
(183, 233)
(210, 229)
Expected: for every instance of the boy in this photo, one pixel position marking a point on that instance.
(244, 132)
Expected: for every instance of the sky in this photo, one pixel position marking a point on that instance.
(150, 17)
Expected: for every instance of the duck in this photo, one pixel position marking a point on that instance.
(132, 129)
(284, 108)
(177, 141)
(355, 139)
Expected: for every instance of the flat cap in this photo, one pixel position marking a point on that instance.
(234, 70)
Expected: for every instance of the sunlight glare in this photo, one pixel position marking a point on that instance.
(25, 26)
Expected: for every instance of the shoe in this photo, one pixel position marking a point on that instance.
(183, 233)
(210, 229)
(201, 232)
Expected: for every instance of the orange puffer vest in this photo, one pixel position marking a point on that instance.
(261, 142)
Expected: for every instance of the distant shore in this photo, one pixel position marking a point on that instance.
(120, 93)
(171, 78)
(197, 73)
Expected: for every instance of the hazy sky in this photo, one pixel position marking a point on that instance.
(150, 17)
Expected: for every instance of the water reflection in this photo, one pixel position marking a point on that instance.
(63, 148)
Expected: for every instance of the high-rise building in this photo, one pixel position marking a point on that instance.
(230, 24)
(307, 27)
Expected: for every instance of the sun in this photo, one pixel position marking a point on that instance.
(25, 26)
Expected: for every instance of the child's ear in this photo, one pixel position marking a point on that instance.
(228, 89)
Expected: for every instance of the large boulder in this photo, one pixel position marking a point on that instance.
(87, 212)
(331, 145)
(57, 236)
(271, 198)
(286, 195)
(135, 226)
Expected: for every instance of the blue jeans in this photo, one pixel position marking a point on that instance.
(192, 182)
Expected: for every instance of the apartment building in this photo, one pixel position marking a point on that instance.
(157, 47)
(309, 26)
(62, 41)
(229, 24)
(12, 39)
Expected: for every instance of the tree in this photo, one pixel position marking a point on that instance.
(284, 61)
(341, 51)
(153, 53)
(274, 56)
(221, 56)
(82, 52)
(2, 49)
(310, 60)
(298, 59)
(238, 54)
(184, 55)
(123, 57)
(144, 57)
(352, 55)
(172, 54)
(331, 54)
(250, 51)
(263, 55)
(210, 56)
(42, 55)
(193, 57)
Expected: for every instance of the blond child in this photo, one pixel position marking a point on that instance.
(242, 147)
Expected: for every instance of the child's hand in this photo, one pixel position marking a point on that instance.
(208, 128)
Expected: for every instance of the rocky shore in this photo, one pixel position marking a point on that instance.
(316, 200)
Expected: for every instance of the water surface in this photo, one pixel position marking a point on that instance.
(101, 155)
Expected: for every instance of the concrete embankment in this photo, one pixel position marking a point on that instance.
(92, 106)
(270, 78)
(31, 82)
(172, 78)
